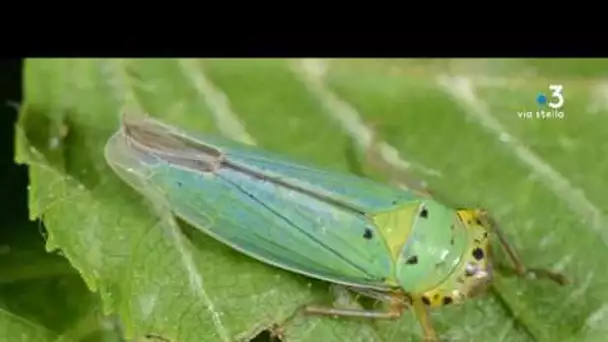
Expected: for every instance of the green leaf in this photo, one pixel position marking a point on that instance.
(42, 298)
(541, 178)
(20, 329)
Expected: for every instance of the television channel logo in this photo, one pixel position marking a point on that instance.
(555, 101)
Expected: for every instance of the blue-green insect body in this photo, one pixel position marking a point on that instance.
(269, 221)
(332, 226)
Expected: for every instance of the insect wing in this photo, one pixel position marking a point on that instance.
(355, 192)
(248, 210)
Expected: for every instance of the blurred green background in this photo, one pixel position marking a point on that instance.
(454, 124)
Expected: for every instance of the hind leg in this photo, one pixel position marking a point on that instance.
(518, 266)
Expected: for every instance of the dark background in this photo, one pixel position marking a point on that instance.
(13, 179)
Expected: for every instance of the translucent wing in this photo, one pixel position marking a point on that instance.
(355, 192)
(292, 216)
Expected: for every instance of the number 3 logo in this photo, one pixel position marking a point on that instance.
(557, 94)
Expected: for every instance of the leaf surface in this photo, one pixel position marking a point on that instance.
(463, 135)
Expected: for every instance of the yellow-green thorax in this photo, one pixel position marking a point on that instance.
(438, 253)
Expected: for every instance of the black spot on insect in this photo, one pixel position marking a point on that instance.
(478, 253)
(413, 260)
(478, 222)
(368, 234)
(424, 213)
(447, 300)
(426, 300)
(485, 234)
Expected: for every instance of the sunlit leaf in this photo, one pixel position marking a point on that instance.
(455, 124)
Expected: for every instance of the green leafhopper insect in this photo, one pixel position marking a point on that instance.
(401, 246)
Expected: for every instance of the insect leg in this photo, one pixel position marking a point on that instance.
(326, 311)
(422, 314)
(396, 302)
(518, 265)
(395, 311)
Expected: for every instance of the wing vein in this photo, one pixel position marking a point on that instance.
(289, 222)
